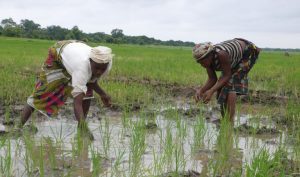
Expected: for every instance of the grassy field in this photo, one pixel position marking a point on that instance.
(21, 59)
(147, 75)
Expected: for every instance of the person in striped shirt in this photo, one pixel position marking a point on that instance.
(234, 58)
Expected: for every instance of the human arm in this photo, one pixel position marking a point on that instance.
(103, 95)
(225, 65)
(78, 109)
(79, 114)
(212, 79)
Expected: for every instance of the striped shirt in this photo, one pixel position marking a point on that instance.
(233, 48)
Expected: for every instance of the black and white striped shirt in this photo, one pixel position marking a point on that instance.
(233, 48)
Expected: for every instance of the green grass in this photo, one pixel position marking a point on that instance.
(137, 147)
(264, 164)
(134, 80)
(21, 59)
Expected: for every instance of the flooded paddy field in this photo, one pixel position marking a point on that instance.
(154, 127)
(175, 139)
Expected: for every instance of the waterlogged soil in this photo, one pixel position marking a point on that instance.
(113, 132)
(176, 89)
(255, 126)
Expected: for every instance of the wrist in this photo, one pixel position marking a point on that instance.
(102, 94)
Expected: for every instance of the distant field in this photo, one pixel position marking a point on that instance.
(21, 60)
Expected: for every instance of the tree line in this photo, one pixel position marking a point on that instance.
(281, 49)
(29, 29)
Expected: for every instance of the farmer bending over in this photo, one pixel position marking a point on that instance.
(234, 58)
(72, 68)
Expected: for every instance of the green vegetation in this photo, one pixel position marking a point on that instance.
(30, 29)
(21, 60)
(142, 84)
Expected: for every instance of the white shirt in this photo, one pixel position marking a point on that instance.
(75, 58)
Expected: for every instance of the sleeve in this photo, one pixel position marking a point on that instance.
(79, 81)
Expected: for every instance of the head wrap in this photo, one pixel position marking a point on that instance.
(101, 54)
(201, 50)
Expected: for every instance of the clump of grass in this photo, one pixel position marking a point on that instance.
(6, 163)
(224, 148)
(125, 118)
(157, 163)
(41, 160)
(31, 158)
(79, 144)
(96, 162)
(293, 114)
(105, 133)
(181, 127)
(51, 153)
(180, 161)
(168, 148)
(116, 166)
(137, 146)
(7, 114)
(264, 164)
(199, 130)
(293, 123)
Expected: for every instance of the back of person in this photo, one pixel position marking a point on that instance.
(235, 50)
(75, 56)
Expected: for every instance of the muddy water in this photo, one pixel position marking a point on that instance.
(116, 154)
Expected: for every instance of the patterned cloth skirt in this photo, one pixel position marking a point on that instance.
(53, 84)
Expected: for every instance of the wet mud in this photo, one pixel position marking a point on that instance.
(189, 173)
(158, 118)
(247, 129)
(176, 90)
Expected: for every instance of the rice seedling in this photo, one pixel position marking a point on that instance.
(263, 164)
(51, 153)
(179, 158)
(6, 162)
(137, 147)
(41, 160)
(181, 128)
(96, 161)
(157, 163)
(31, 157)
(105, 133)
(224, 147)
(117, 163)
(168, 148)
(199, 131)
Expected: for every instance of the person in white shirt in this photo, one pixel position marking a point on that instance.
(72, 68)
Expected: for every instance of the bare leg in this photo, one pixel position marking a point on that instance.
(26, 113)
(86, 106)
(230, 108)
